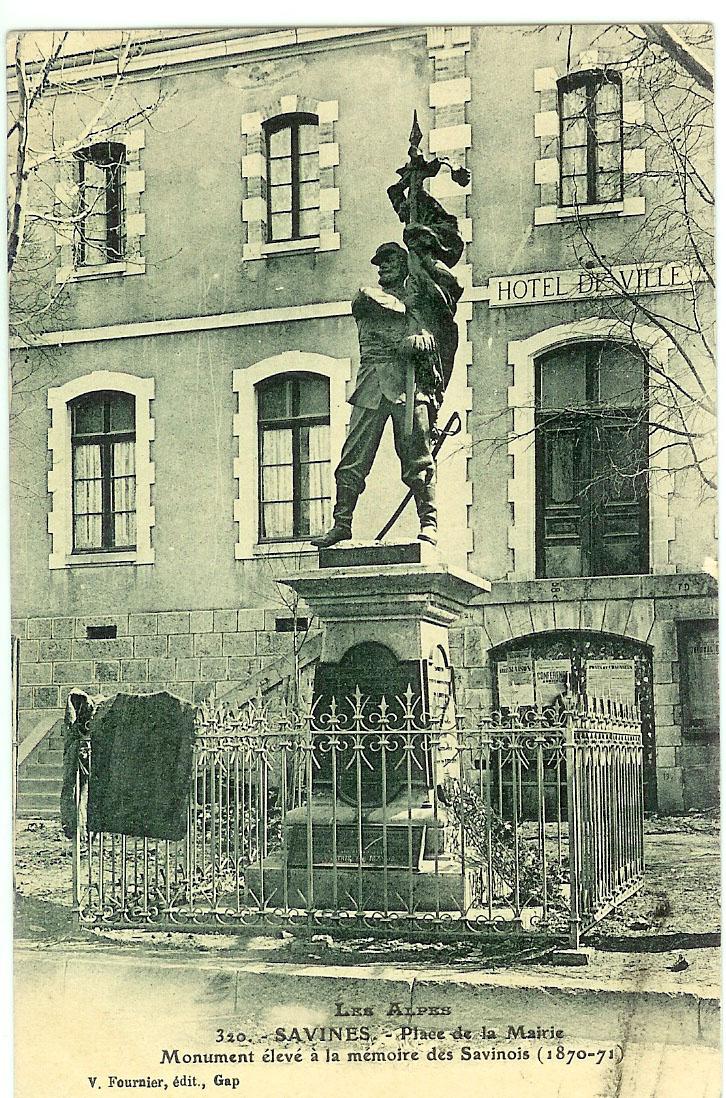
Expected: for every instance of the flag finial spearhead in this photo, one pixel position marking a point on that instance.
(416, 133)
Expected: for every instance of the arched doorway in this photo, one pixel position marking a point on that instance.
(534, 669)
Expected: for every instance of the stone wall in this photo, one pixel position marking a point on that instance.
(196, 653)
(192, 653)
(641, 608)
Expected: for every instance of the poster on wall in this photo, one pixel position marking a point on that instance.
(515, 678)
(699, 649)
(551, 679)
(613, 679)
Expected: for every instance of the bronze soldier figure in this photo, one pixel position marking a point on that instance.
(408, 338)
(379, 395)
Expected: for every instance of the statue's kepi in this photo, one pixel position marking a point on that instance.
(408, 338)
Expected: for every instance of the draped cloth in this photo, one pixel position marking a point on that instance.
(313, 475)
(80, 707)
(141, 766)
(124, 492)
(432, 291)
(88, 494)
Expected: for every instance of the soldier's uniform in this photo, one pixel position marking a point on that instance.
(380, 394)
(419, 332)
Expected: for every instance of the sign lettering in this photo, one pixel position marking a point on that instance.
(551, 680)
(515, 679)
(620, 280)
(614, 679)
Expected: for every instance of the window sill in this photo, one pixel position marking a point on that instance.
(283, 549)
(85, 560)
(282, 247)
(598, 209)
(102, 270)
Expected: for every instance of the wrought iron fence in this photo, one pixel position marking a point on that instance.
(368, 815)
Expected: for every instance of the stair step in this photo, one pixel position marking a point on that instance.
(42, 769)
(39, 798)
(32, 808)
(47, 749)
(55, 764)
(28, 785)
(43, 795)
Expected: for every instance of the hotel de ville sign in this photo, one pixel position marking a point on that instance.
(620, 280)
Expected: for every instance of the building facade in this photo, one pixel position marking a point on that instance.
(180, 412)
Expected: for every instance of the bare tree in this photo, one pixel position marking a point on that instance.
(678, 225)
(273, 590)
(672, 422)
(682, 51)
(58, 104)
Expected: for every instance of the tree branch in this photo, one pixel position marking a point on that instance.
(661, 35)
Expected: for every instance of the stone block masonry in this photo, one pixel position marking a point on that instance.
(197, 653)
(640, 609)
(191, 653)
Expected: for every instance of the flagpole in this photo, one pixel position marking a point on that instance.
(415, 181)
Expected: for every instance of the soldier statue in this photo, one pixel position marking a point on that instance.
(408, 338)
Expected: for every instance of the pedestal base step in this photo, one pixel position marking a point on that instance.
(349, 888)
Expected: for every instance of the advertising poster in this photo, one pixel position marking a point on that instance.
(613, 679)
(551, 680)
(515, 678)
(699, 643)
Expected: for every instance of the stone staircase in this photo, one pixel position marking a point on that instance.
(40, 778)
(40, 774)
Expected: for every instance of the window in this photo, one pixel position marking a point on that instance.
(591, 461)
(100, 231)
(294, 456)
(591, 138)
(103, 444)
(293, 177)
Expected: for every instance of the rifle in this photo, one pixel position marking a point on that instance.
(453, 427)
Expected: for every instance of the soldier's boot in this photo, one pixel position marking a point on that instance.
(345, 501)
(425, 498)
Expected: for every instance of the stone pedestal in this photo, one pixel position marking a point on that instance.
(400, 595)
(372, 824)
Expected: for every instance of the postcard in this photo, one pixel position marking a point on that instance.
(363, 548)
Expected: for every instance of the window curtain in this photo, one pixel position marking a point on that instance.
(87, 496)
(277, 493)
(315, 479)
(124, 493)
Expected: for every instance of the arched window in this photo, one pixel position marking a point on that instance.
(293, 177)
(293, 415)
(591, 137)
(591, 461)
(103, 441)
(100, 236)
